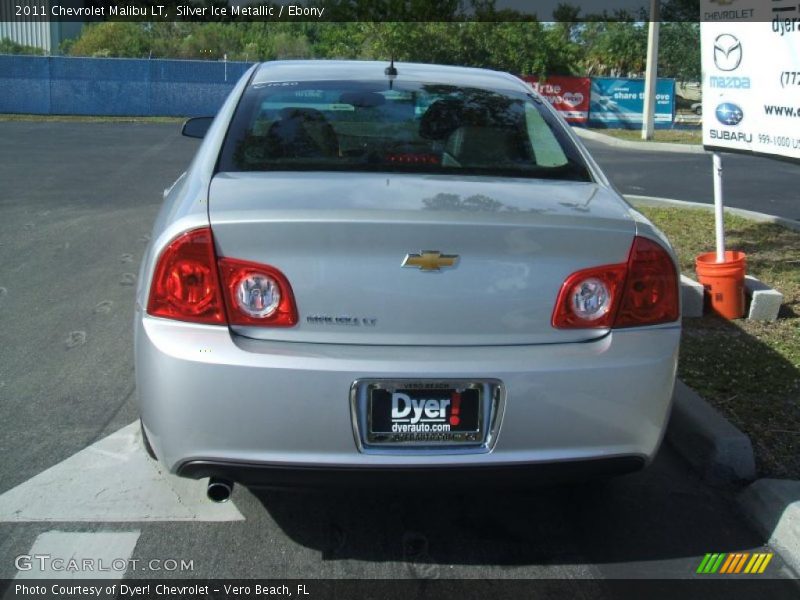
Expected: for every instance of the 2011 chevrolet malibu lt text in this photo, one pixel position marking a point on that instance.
(389, 270)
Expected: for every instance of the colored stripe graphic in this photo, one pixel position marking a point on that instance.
(709, 568)
(756, 560)
(767, 558)
(731, 563)
(728, 563)
(703, 563)
(736, 562)
(740, 564)
(717, 564)
(709, 563)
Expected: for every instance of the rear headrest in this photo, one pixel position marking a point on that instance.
(441, 119)
(486, 146)
(301, 133)
(444, 116)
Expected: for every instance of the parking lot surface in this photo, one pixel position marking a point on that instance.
(753, 183)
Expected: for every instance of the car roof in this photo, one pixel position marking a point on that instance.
(363, 70)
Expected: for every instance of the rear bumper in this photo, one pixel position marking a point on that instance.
(208, 398)
(266, 475)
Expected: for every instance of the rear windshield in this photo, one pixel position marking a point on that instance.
(405, 127)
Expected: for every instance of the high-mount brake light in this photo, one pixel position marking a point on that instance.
(642, 291)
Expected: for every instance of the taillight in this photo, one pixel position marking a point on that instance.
(643, 291)
(187, 287)
(651, 293)
(589, 298)
(257, 294)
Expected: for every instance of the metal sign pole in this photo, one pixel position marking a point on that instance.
(651, 74)
(719, 208)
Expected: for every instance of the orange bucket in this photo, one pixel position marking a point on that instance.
(723, 282)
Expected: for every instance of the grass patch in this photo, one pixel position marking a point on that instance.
(748, 370)
(89, 119)
(674, 136)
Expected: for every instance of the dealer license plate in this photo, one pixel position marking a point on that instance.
(425, 413)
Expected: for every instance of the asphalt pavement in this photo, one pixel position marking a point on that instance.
(754, 183)
(77, 202)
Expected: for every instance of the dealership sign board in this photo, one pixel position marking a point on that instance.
(751, 77)
(620, 102)
(568, 95)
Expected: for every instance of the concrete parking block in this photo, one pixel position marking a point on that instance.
(691, 297)
(773, 507)
(708, 441)
(765, 303)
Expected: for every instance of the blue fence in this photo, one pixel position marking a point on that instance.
(115, 86)
(188, 88)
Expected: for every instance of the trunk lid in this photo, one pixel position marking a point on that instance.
(340, 239)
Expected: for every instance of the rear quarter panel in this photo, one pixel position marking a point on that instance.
(186, 202)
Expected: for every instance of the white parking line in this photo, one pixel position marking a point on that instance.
(112, 480)
(76, 555)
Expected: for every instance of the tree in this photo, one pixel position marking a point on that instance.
(684, 11)
(679, 54)
(567, 17)
(524, 47)
(340, 40)
(617, 49)
(392, 10)
(209, 41)
(123, 39)
(8, 46)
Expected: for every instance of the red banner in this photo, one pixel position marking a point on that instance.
(569, 95)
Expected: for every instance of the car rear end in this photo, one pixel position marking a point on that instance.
(421, 273)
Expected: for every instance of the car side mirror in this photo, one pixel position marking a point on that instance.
(196, 127)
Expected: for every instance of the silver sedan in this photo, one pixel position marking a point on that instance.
(399, 271)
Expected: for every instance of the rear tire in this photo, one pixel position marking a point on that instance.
(146, 443)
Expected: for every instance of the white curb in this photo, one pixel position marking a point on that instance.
(718, 449)
(646, 146)
(741, 212)
(773, 507)
(691, 297)
(708, 441)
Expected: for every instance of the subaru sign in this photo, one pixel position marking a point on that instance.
(729, 114)
(751, 76)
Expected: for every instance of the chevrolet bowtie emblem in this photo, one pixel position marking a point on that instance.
(430, 260)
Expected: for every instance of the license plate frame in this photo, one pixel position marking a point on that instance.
(479, 413)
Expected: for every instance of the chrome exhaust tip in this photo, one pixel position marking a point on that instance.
(219, 490)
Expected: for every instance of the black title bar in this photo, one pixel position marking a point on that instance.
(381, 11)
(706, 587)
